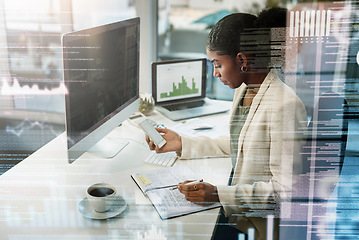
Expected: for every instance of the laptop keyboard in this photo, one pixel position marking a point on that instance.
(179, 106)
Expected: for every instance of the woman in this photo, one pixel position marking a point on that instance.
(263, 145)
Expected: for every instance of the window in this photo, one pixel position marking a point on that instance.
(32, 91)
(183, 27)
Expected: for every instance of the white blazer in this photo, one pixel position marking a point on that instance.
(268, 152)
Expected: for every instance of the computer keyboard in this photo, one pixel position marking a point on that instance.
(179, 106)
(162, 159)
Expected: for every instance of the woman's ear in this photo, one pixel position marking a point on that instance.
(242, 59)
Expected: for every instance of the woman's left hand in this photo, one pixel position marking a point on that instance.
(201, 193)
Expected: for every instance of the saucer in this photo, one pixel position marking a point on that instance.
(118, 207)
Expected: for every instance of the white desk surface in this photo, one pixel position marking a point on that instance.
(39, 197)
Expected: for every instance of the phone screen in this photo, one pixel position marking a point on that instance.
(152, 133)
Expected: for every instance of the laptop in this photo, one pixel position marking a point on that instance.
(179, 89)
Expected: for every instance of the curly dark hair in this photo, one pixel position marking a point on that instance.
(272, 18)
(267, 51)
(225, 36)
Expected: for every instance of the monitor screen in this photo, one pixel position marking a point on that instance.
(179, 79)
(101, 73)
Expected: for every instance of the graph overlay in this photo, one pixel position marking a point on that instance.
(179, 80)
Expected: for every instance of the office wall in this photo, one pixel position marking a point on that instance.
(147, 11)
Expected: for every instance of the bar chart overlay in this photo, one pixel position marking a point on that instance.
(181, 90)
(179, 81)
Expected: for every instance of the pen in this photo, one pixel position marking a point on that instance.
(190, 183)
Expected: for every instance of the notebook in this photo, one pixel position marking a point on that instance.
(179, 89)
(159, 185)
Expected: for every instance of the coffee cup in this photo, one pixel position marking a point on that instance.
(101, 196)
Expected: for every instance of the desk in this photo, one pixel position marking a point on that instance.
(39, 197)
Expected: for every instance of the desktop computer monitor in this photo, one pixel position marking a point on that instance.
(101, 73)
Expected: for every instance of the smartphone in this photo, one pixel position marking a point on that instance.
(149, 129)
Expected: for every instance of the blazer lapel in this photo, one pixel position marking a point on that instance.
(255, 103)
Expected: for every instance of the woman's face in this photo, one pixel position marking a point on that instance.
(227, 69)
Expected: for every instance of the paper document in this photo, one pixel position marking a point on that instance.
(169, 202)
(163, 177)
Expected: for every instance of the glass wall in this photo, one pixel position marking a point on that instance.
(32, 92)
(32, 47)
(183, 27)
(317, 55)
(90, 13)
(33, 31)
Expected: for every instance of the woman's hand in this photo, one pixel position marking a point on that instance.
(173, 141)
(200, 193)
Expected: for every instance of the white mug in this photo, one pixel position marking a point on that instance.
(101, 196)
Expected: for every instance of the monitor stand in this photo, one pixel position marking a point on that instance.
(108, 148)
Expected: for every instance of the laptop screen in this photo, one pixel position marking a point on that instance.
(178, 80)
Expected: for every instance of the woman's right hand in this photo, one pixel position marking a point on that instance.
(173, 141)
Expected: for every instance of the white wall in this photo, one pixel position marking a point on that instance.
(147, 11)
